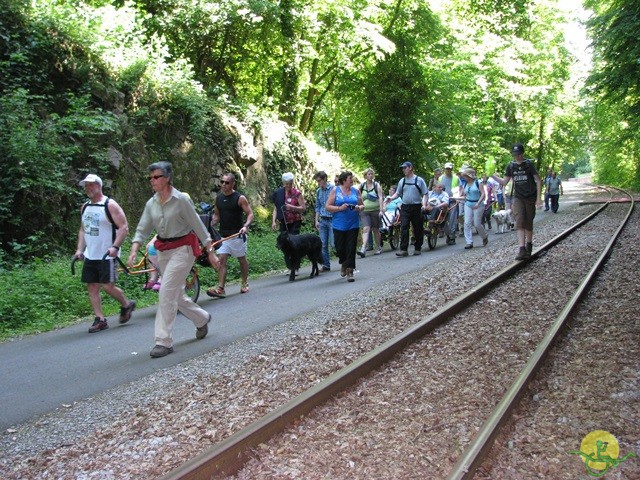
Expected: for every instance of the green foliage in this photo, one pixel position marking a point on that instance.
(615, 38)
(110, 87)
(390, 135)
(40, 155)
(40, 296)
(615, 85)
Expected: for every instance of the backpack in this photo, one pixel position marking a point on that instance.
(373, 197)
(106, 211)
(478, 187)
(411, 185)
(206, 218)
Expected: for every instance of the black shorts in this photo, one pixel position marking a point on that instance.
(99, 271)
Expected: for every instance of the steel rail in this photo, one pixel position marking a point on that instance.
(480, 446)
(228, 456)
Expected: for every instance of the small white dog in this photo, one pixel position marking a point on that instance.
(503, 219)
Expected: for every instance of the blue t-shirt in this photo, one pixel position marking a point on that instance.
(472, 192)
(346, 219)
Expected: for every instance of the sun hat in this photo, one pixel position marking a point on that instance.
(469, 172)
(91, 178)
(406, 164)
(287, 177)
(463, 168)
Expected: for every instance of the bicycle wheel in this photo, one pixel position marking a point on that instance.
(192, 285)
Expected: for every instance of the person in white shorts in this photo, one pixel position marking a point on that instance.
(235, 216)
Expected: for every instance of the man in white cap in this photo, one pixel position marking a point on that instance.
(102, 231)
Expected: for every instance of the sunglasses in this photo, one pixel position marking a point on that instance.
(155, 177)
(225, 182)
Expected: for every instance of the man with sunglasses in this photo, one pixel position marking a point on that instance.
(235, 215)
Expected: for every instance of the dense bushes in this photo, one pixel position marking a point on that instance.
(65, 112)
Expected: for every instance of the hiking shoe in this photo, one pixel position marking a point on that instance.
(417, 252)
(362, 253)
(160, 351)
(468, 246)
(451, 241)
(216, 292)
(325, 269)
(350, 275)
(402, 254)
(98, 324)
(522, 254)
(343, 271)
(485, 241)
(125, 312)
(202, 331)
(529, 248)
(244, 288)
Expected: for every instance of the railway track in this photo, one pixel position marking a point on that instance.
(230, 455)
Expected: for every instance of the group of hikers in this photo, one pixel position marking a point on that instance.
(341, 210)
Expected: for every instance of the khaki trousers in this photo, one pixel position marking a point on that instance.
(175, 265)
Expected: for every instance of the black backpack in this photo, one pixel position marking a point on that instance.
(106, 211)
(411, 185)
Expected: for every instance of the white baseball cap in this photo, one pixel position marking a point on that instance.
(91, 178)
(287, 177)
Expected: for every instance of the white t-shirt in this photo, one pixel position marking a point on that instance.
(98, 230)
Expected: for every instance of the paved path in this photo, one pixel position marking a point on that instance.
(43, 372)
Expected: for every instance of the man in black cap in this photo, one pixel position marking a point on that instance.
(411, 189)
(527, 188)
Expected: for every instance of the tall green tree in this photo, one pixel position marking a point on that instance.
(615, 89)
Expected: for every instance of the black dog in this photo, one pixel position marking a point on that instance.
(296, 247)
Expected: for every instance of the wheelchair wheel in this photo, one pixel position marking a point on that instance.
(432, 237)
(394, 237)
(192, 285)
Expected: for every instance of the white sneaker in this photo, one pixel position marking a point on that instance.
(378, 251)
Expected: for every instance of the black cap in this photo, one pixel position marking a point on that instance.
(518, 149)
(406, 164)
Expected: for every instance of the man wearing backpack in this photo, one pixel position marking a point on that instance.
(411, 189)
(527, 188)
(103, 229)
